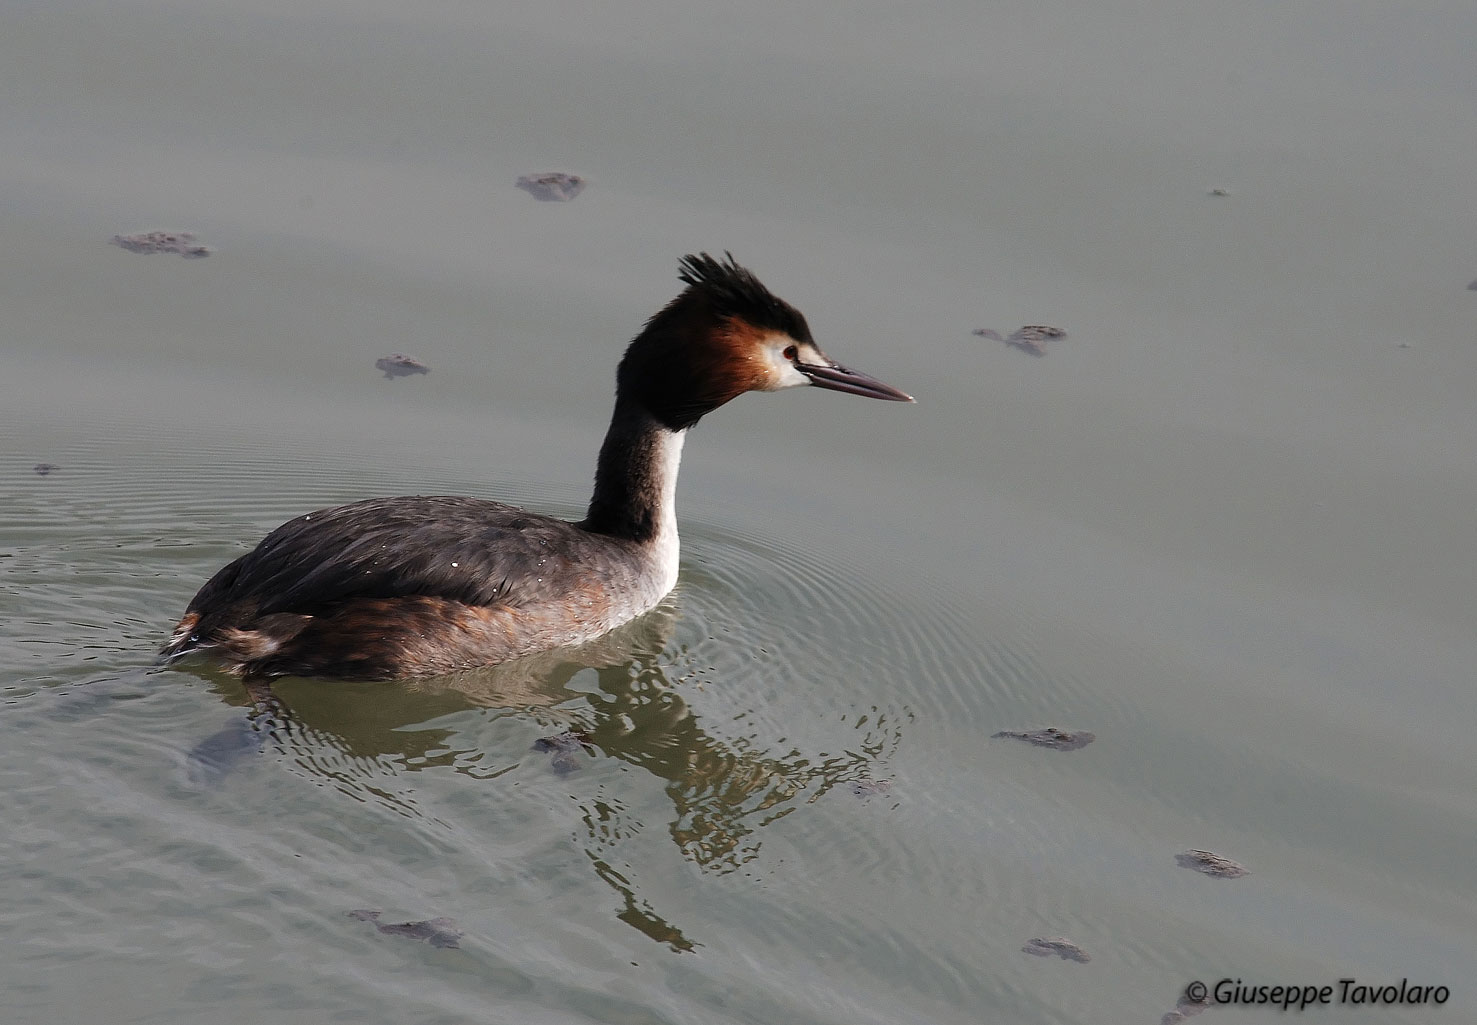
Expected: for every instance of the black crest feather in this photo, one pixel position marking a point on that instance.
(734, 291)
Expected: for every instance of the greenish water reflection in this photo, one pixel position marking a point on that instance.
(724, 789)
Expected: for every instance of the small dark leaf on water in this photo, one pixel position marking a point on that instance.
(566, 750)
(1032, 338)
(1061, 947)
(182, 242)
(1059, 740)
(552, 186)
(439, 932)
(397, 365)
(1211, 864)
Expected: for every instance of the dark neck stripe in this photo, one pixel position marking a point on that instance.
(630, 478)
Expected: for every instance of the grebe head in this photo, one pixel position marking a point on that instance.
(724, 335)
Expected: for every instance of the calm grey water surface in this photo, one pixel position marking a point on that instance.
(1227, 525)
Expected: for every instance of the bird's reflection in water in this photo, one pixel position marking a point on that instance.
(723, 789)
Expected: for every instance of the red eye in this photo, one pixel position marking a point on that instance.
(792, 353)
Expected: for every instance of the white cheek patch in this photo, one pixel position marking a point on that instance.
(780, 373)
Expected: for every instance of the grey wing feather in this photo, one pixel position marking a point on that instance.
(467, 550)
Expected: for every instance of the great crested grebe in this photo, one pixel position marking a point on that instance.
(419, 586)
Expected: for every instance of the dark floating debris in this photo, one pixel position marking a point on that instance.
(1059, 740)
(181, 242)
(553, 186)
(1032, 338)
(564, 750)
(1062, 948)
(396, 365)
(439, 932)
(1472, 287)
(870, 787)
(1220, 192)
(43, 469)
(1211, 864)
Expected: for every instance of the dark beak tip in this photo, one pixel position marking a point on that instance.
(842, 379)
